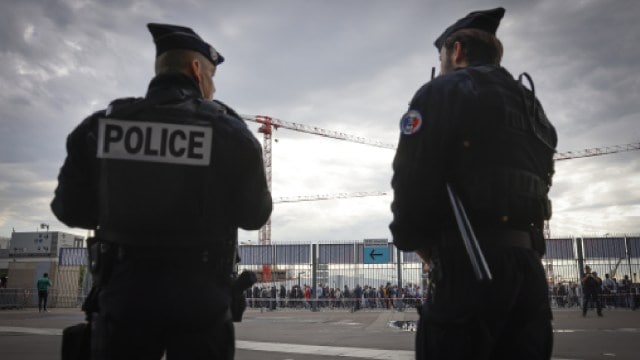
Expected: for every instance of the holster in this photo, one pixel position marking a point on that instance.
(76, 339)
(101, 257)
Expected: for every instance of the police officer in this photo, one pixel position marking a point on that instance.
(591, 291)
(479, 130)
(165, 180)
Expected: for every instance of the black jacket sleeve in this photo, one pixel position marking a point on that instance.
(75, 202)
(252, 203)
(420, 168)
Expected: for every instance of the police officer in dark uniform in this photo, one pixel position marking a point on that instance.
(484, 133)
(591, 291)
(166, 181)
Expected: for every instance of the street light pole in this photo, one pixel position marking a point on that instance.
(300, 273)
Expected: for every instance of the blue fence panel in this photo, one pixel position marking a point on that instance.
(336, 254)
(293, 254)
(255, 254)
(411, 257)
(603, 247)
(634, 247)
(73, 257)
(559, 249)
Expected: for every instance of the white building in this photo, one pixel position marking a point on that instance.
(45, 244)
(31, 254)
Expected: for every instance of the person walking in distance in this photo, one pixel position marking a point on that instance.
(43, 285)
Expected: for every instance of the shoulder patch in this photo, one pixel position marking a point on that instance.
(411, 122)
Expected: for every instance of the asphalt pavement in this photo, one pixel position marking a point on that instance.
(26, 334)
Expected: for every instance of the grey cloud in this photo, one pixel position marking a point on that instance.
(346, 66)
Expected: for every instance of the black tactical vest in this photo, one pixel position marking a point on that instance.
(504, 155)
(155, 174)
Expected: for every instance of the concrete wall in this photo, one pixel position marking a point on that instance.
(25, 274)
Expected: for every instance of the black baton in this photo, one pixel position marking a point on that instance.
(478, 262)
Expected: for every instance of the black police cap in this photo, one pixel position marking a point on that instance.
(486, 20)
(169, 37)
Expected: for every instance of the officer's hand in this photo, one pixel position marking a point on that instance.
(238, 299)
(238, 306)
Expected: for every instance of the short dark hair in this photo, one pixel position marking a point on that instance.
(177, 60)
(478, 46)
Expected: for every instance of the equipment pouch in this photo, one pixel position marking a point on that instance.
(101, 257)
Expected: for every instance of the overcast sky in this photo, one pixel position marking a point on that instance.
(350, 66)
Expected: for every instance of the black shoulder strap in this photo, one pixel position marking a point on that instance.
(524, 95)
(125, 107)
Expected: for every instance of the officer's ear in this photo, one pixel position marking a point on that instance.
(194, 70)
(457, 54)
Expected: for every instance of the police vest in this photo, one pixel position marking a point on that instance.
(155, 176)
(504, 156)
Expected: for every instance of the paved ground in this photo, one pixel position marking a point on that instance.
(297, 335)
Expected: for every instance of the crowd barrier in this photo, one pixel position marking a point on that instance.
(13, 298)
(17, 298)
(350, 304)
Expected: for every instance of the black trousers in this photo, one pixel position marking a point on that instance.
(508, 318)
(153, 305)
(591, 296)
(43, 297)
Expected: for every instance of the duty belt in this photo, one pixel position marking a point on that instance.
(151, 241)
(490, 238)
(175, 254)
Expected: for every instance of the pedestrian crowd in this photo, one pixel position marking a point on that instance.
(386, 296)
(608, 292)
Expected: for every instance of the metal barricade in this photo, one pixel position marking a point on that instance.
(13, 298)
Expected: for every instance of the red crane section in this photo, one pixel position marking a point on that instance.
(270, 124)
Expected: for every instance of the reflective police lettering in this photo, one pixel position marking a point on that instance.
(113, 134)
(154, 141)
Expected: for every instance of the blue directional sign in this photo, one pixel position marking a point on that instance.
(375, 251)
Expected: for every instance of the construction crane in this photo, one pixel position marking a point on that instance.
(291, 199)
(597, 151)
(268, 124)
(603, 150)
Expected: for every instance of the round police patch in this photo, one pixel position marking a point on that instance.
(410, 122)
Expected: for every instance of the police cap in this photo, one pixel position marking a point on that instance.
(486, 20)
(168, 37)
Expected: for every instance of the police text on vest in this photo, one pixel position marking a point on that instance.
(154, 141)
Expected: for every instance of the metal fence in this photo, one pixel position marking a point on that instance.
(345, 263)
(18, 298)
(350, 274)
(342, 267)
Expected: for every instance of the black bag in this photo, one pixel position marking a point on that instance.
(76, 342)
